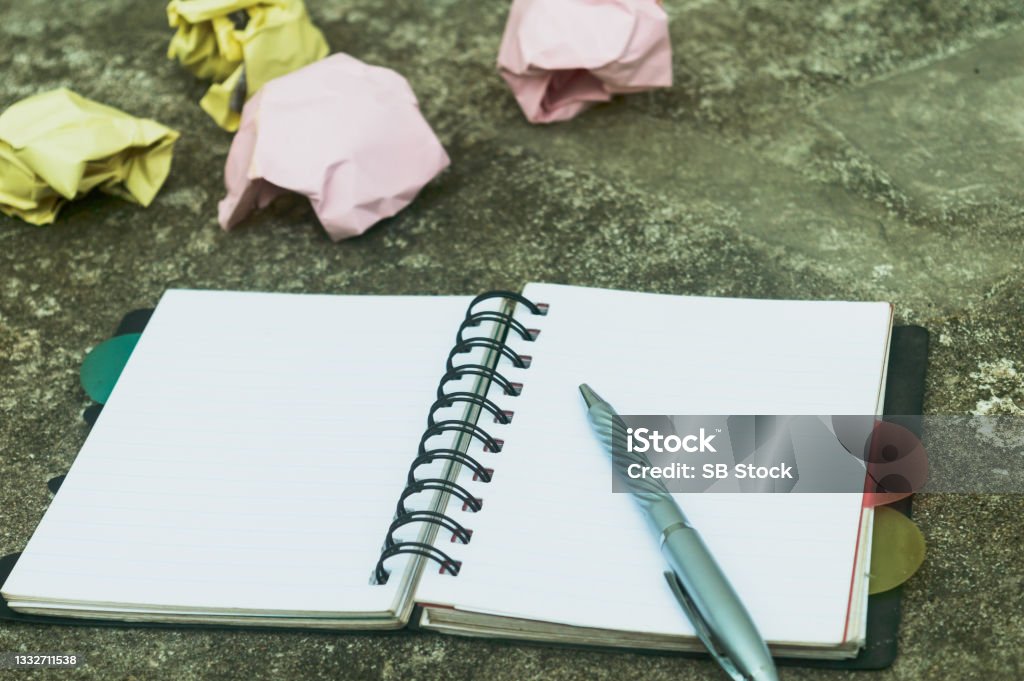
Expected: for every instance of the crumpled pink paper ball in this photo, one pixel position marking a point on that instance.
(561, 56)
(348, 135)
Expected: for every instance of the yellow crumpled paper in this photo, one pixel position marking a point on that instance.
(57, 146)
(240, 45)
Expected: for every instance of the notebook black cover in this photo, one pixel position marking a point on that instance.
(904, 398)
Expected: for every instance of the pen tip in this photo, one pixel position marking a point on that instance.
(589, 396)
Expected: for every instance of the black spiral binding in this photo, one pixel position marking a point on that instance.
(454, 371)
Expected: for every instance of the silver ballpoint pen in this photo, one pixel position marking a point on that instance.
(704, 593)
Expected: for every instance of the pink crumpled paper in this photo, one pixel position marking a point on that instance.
(348, 135)
(561, 56)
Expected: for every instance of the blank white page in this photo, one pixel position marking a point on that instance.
(553, 543)
(249, 459)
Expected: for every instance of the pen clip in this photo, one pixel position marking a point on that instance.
(704, 632)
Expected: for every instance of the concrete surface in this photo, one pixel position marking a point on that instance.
(847, 149)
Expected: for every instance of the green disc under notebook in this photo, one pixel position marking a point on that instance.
(103, 365)
(897, 550)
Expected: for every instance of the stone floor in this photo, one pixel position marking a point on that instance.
(847, 149)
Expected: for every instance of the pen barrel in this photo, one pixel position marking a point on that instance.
(710, 593)
(662, 512)
(722, 622)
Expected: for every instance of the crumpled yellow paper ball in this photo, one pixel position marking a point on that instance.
(240, 45)
(58, 146)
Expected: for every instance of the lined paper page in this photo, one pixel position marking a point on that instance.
(250, 457)
(553, 543)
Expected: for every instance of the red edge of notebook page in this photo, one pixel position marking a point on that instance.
(863, 499)
(853, 570)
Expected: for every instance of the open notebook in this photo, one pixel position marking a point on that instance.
(246, 468)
